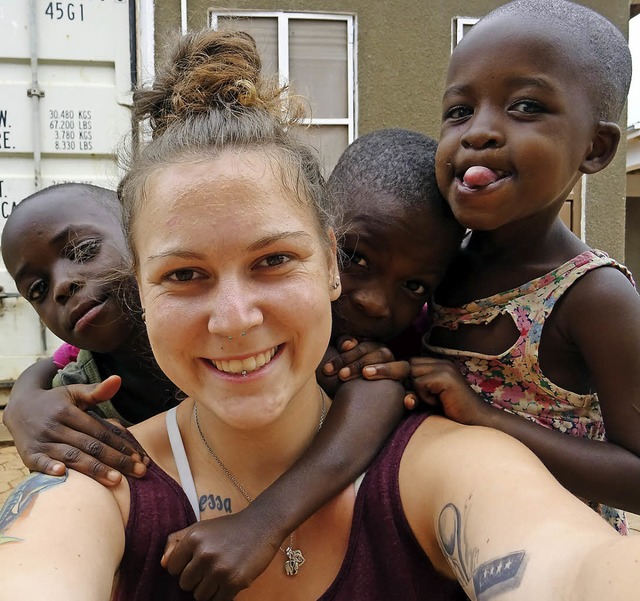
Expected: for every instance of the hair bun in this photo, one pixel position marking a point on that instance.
(209, 70)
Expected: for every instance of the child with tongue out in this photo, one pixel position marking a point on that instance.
(541, 326)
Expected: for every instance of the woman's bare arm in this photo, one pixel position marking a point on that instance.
(61, 539)
(486, 510)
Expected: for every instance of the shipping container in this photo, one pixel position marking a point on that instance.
(66, 73)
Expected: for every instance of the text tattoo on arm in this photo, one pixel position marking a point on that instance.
(485, 581)
(21, 500)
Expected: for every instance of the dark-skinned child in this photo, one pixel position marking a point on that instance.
(65, 249)
(545, 329)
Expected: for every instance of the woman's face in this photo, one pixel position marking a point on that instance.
(236, 284)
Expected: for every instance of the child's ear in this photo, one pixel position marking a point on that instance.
(603, 147)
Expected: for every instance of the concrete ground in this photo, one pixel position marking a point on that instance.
(12, 470)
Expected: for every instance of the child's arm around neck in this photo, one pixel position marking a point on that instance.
(51, 429)
(361, 417)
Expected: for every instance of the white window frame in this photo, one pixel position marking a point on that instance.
(283, 18)
(457, 28)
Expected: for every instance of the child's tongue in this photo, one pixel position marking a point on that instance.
(478, 177)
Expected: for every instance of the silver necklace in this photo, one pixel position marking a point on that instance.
(295, 558)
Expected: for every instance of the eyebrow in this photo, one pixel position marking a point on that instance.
(259, 244)
(518, 81)
(181, 254)
(268, 240)
(61, 236)
(20, 272)
(531, 80)
(455, 90)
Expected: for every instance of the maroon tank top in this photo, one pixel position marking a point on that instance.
(158, 508)
(383, 560)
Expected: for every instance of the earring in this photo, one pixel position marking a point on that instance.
(143, 315)
(336, 285)
(243, 334)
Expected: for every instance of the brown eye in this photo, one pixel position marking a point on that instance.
(527, 106)
(458, 112)
(274, 260)
(415, 287)
(354, 258)
(182, 275)
(37, 291)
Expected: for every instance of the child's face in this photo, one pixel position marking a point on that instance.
(62, 251)
(517, 125)
(395, 258)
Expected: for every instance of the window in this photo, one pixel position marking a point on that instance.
(315, 54)
(460, 26)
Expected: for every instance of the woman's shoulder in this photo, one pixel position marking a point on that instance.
(152, 435)
(440, 450)
(65, 525)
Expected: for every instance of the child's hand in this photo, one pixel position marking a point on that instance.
(369, 359)
(51, 431)
(438, 381)
(216, 559)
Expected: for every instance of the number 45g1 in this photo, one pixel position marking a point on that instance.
(65, 10)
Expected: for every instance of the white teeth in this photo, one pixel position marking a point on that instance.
(244, 366)
(235, 366)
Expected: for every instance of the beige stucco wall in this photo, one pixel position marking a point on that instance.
(605, 204)
(632, 239)
(402, 52)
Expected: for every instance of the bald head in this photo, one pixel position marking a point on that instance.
(595, 50)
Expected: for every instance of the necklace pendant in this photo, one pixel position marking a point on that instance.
(295, 559)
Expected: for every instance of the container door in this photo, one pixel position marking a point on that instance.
(65, 93)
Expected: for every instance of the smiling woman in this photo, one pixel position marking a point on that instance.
(233, 250)
(232, 261)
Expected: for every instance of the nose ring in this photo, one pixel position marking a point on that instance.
(243, 334)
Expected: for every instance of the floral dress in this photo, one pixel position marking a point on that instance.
(513, 381)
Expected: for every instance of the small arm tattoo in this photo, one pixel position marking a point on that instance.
(498, 575)
(487, 580)
(21, 500)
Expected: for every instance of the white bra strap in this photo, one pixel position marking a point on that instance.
(182, 463)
